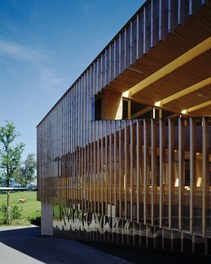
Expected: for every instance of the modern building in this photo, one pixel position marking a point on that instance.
(125, 155)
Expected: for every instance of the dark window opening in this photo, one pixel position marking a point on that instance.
(187, 173)
(125, 110)
(136, 107)
(98, 109)
(166, 113)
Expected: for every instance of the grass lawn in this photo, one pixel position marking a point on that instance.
(31, 209)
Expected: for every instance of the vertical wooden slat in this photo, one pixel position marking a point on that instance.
(161, 167)
(125, 48)
(120, 170)
(170, 168)
(94, 166)
(106, 166)
(137, 36)
(146, 164)
(192, 170)
(144, 31)
(86, 178)
(89, 177)
(119, 63)
(114, 66)
(110, 167)
(151, 22)
(153, 167)
(160, 20)
(125, 167)
(205, 177)
(109, 63)
(137, 169)
(98, 165)
(180, 169)
(169, 15)
(131, 42)
(190, 7)
(131, 170)
(115, 167)
(102, 170)
(179, 12)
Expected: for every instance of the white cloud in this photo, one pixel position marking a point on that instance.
(48, 75)
(24, 53)
(19, 52)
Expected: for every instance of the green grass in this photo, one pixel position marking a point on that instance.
(29, 210)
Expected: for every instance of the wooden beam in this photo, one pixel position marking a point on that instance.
(184, 92)
(194, 108)
(170, 67)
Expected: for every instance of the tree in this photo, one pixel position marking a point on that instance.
(26, 173)
(9, 156)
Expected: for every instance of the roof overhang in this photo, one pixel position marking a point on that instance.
(176, 73)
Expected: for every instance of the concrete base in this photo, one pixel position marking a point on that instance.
(46, 219)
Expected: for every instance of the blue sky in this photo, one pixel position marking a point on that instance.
(44, 47)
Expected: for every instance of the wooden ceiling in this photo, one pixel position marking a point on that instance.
(176, 73)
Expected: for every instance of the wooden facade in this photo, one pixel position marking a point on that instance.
(125, 154)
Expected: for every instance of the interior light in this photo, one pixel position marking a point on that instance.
(124, 183)
(198, 184)
(176, 182)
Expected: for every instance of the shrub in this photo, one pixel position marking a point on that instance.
(16, 212)
(3, 209)
(36, 220)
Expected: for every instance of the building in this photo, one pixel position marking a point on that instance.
(125, 155)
